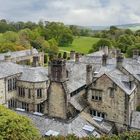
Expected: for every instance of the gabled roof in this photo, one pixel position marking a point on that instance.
(133, 67)
(118, 78)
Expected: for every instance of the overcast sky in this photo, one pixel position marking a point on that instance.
(79, 12)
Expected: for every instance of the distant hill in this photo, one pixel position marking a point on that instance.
(134, 27)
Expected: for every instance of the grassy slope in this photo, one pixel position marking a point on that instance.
(80, 44)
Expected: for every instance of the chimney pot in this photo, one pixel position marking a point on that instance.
(135, 53)
(57, 70)
(104, 59)
(72, 55)
(77, 57)
(35, 61)
(88, 74)
(119, 60)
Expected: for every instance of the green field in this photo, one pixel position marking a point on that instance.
(80, 44)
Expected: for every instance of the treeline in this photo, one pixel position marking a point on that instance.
(124, 39)
(44, 36)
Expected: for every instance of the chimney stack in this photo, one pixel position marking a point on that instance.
(135, 53)
(35, 61)
(7, 57)
(118, 52)
(104, 60)
(88, 74)
(105, 49)
(77, 57)
(31, 50)
(72, 55)
(119, 60)
(57, 70)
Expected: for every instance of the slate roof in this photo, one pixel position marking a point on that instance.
(34, 74)
(8, 69)
(74, 126)
(77, 76)
(133, 67)
(19, 53)
(28, 74)
(135, 122)
(121, 80)
(77, 72)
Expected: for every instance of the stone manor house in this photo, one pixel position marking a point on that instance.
(93, 94)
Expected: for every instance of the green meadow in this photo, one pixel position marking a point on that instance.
(80, 44)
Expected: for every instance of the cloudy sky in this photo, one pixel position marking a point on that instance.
(79, 12)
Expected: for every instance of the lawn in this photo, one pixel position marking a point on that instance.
(80, 44)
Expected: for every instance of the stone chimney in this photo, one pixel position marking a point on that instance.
(105, 49)
(77, 57)
(104, 60)
(57, 91)
(88, 74)
(118, 52)
(35, 61)
(119, 60)
(57, 70)
(31, 50)
(135, 53)
(7, 57)
(72, 55)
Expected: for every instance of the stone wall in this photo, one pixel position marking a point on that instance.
(2, 91)
(33, 100)
(113, 107)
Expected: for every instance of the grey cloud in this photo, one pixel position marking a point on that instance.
(81, 12)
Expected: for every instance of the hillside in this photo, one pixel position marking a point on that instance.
(134, 27)
(80, 44)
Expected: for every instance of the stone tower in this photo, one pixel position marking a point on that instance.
(57, 97)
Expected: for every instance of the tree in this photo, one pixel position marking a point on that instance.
(101, 43)
(45, 58)
(128, 31)
(75, 30)
(59, 55)
(53, 46)
(25, 36)
(7, 46)
(124, 42)
(45, 46)
(16, 127)
(59, 32)
(65, 55)
(10, 36)
(129, 51)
